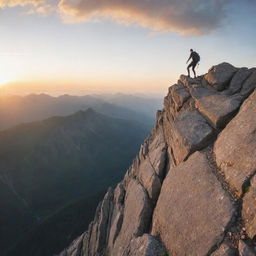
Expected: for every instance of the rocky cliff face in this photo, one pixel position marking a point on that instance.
(192, 188)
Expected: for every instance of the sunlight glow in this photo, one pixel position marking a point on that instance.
(10, 69)
(5, 80)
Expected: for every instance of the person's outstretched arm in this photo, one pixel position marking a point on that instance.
(189, 58)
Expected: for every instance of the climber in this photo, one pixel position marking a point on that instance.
(195, 60)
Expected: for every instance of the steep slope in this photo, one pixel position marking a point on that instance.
(191, 189)
(48, 164)
(21, 109)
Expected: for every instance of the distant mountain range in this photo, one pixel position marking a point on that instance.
(18, 109)
(46, 165)
(144, 104)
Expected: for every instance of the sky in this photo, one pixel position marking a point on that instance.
(106, 46)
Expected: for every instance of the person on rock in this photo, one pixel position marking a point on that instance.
(195, 60)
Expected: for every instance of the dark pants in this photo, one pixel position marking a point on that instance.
(193, 65)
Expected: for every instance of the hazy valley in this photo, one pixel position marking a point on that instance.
(50, 164)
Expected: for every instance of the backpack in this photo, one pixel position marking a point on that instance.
(196, 57)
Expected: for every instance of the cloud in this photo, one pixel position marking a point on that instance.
(42, 10)
(12, 3)
(40, 7)
(183, 16)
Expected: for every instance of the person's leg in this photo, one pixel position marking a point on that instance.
(194, 72)
(193, 68)
(190, 65)
(188, 72)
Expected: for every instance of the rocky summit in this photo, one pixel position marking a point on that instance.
(191, 191)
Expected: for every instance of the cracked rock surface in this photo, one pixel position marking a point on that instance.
(192, 213)
(235, 147)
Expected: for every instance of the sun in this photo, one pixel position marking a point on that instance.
(5, 80)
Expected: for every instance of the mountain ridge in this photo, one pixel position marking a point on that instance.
(191, 189)
(21, 109)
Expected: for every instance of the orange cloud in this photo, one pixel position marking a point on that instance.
(12, 3)
(185, 17)
(40, 7)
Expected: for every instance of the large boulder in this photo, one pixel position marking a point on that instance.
(137, 214)
(193, 210)
(215, 106)
(220, 75)
(188, 81)
(235, 147)
(149, 166)
(238, 80)
(219, 109)
(249, 85)
(157, 151)
(149, 179)
(117, 214)
(190, 132)
(179, 95)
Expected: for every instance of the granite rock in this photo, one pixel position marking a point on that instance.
(193, 210)
(220, 75)
(235, 147)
